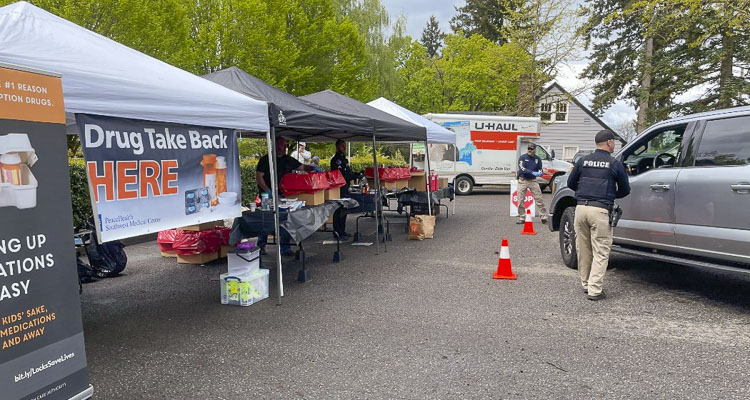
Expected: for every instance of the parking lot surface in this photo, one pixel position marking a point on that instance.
(424, 320)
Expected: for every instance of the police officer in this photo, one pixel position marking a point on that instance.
(341, 163)
(529, 168)
(598, 179)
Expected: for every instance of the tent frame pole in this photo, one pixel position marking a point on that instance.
(429, 175)
(271, 137)
(455, 161)
(377, 195)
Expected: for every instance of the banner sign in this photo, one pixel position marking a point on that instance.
(42, 353)
(146, 176)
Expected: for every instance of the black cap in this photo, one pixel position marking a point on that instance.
(531, 146)
(604, 135)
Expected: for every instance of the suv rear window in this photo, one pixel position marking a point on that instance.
(725, 142)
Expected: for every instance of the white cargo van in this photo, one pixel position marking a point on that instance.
(487, 150)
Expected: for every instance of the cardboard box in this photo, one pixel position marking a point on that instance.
(202, 227)
(224, 250)
(395, 185)
(313, 199)
(418, 181)
(332, 194)
(197, 259)
(443, 183)
(170, 254)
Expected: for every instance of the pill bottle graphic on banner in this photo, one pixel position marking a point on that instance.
(209, 177)
(221, 175)
(18, 186)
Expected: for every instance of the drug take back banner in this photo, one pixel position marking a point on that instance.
(41, 336)
(149, 176)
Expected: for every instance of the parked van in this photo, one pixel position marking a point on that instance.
(487, 150)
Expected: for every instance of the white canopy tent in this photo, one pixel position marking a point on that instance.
(103, 77)
(435, 132)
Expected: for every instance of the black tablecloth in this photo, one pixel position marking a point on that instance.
(419, 199)
(300, 224)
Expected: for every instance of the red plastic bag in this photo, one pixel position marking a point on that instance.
(165, 239)
(335, 179)
(384, 174)
(404, 173)
(192, 243)
(292, 184)
(224, 234)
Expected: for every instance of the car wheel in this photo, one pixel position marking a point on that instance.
(464, 185)
(568, 238)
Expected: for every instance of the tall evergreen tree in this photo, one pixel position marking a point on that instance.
(432, 37)
(631, 61)
(716, 35)
(483, 17)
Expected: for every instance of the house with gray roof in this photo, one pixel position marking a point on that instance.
(567, 125)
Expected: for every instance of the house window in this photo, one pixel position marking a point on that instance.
(545, 112)
(561, 112)
(554, 111)
(569, 152)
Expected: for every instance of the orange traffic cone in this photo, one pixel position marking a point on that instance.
(528, 226)
(504, 271)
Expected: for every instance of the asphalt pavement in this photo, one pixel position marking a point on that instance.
(423, 320)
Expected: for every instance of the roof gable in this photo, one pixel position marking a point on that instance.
(559, 89)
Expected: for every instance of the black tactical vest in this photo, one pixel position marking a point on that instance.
(598, 179)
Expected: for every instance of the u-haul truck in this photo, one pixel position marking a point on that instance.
(487, 150)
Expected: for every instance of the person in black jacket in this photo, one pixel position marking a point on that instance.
(341, 163)
(598, 179)
(529, 168)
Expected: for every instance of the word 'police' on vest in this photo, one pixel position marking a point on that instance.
(596, 164)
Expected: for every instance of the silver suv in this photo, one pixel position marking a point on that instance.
(690, 194)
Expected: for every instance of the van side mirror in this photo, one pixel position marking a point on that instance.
(552, 153)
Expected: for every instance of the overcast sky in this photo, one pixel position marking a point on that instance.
(418, 13)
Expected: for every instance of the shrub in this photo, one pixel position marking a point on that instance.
(79, 192)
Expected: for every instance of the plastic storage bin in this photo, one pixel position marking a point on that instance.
(17, 147)
(243, 262)
(244, 290)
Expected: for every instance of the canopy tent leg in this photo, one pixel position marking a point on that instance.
(271, 137)
(377, 196)
(455, 161)
(429, 191)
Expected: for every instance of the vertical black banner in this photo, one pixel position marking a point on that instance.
(42, 353)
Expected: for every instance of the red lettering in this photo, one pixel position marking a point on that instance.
(107, 180)
(149, 177)
(168, 177)
(123, 180)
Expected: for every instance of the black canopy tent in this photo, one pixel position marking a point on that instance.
(390, 126)
(301, 119)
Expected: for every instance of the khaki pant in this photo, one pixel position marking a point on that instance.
(593, 243)
(533, 186)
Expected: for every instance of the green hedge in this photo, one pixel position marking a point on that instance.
(82, 202)
(79, 192)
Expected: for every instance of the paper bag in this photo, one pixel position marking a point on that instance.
(421, 227)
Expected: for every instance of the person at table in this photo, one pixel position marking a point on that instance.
(284, 165)
(341, 163)
(301, 154)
